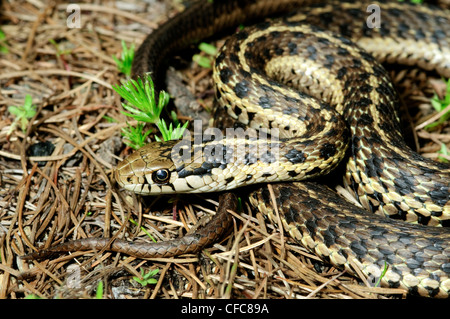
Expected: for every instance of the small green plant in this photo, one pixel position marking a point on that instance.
(382, 275)
(32, 296)
(135, 136)
(147, 278)
(205, 61)
(443, 151)
(141, 99)
(413, 1)
(3, 49)
(109, 119)
(142, 106)
(126, 59)
(143, 229)
(439, 105)
(170, 133)
(99, 290)
(59, 52)
(22, 114)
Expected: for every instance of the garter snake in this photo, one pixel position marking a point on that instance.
(313, 53)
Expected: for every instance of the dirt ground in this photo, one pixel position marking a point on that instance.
(68, 192)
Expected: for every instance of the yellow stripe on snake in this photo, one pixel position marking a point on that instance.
(316, 77)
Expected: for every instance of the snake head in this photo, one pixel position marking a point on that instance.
(149, 170)
(166, 168)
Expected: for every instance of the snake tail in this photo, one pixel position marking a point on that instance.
(209, 234)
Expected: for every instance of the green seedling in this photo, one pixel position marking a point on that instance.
(439, 105)
(205, 61)
(59, 52)
(142, 106)
(141, 99)
(126, 59)
(99, 290)
(170, 133)
(377, 284)
(135, 136)
(3, 49)
(22, 114)
(147, 278)
(443, 151)
(143, 229)
(413, 1)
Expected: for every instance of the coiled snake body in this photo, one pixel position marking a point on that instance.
(318, 68)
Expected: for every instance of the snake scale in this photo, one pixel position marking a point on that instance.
(314, 75)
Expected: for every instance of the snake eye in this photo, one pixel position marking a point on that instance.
(161, 176)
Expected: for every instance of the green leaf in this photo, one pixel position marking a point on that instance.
(208, 48)
(109, 119)
(125, 62)
(3, 40)
(439, 105)
(436, 103)
(443, 151)
(99, 291)
(143, 229)
(22, 113)
(382, 274)
(140, 95)
(142, 106)
(170, 133)
(32, 296)
(147, 278)
(15, 110)
(59, 52)
(205, 61)
(135, 135)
